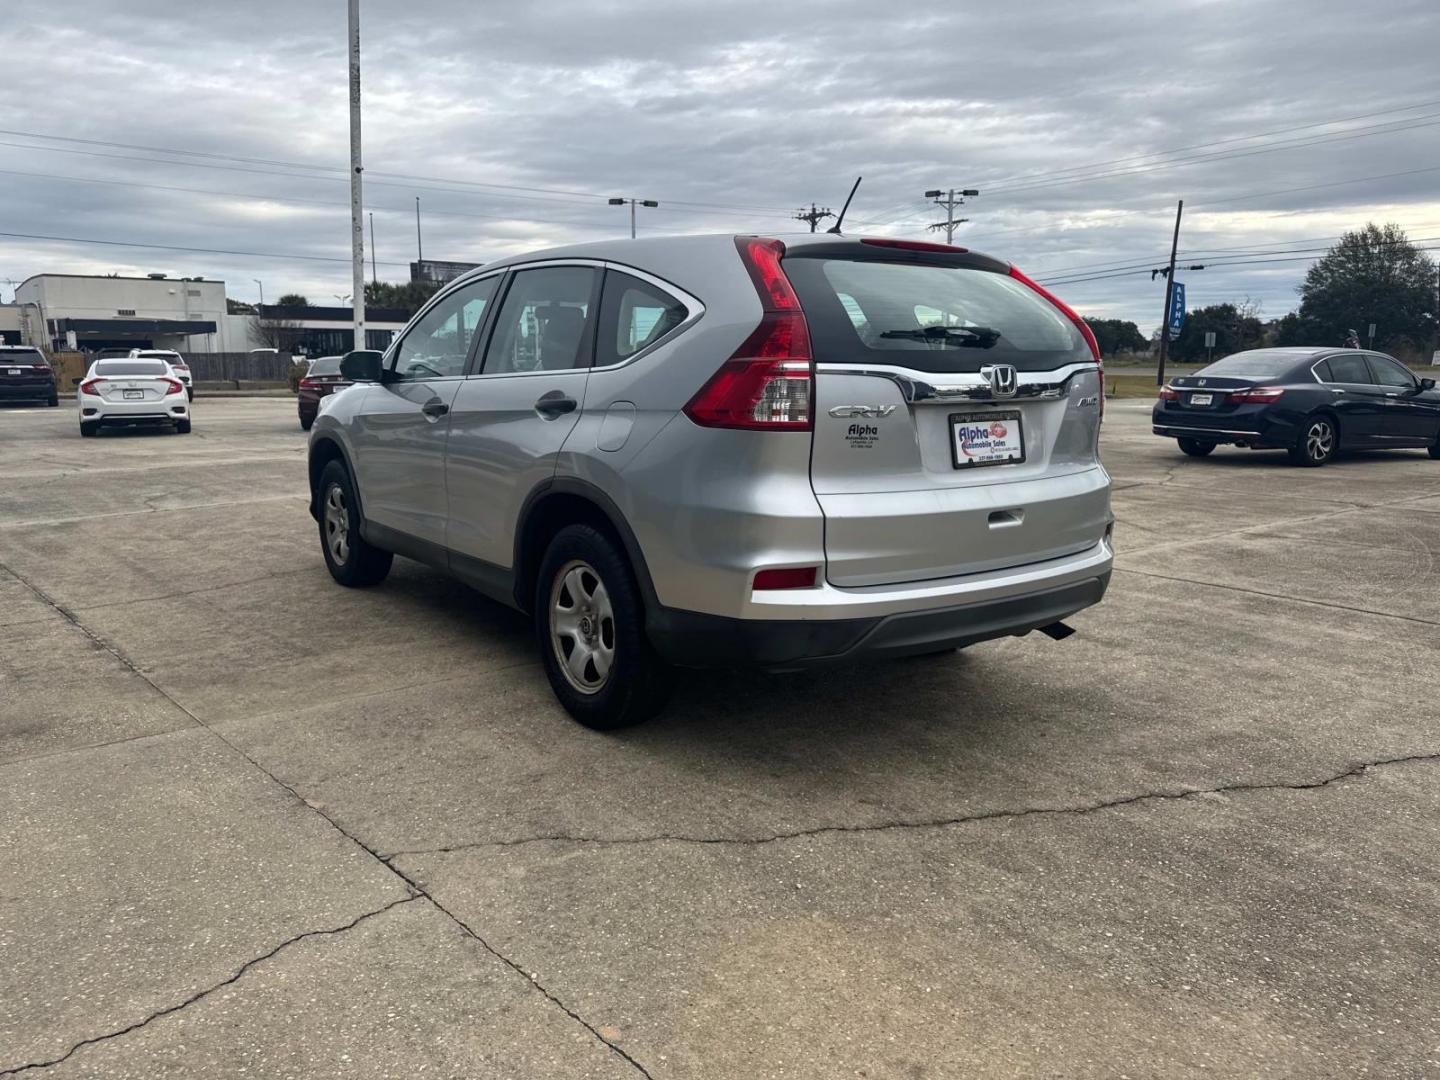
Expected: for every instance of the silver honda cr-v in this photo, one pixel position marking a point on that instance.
(709, 451)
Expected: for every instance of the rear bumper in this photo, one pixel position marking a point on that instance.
(39, 391)
(1265, 426)
(692, 639)
(167, 411)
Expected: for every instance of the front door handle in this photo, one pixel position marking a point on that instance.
(555, 404)
(435, 409)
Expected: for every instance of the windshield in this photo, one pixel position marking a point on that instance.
(130, 367)
(1266, 363)
(931, 318)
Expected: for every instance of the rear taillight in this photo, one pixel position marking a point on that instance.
(1169, 393)
(768, 384)
(308, 383)
(802, 577)
(1256, 395)
(1080, 324)
(174, 386)
(92, 386)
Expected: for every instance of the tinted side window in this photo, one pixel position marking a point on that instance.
(543, 323)
(1349, 368)
(439, 343)
(633, 315)
(1322, 371)
(1389, 373)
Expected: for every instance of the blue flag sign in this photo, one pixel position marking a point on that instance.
(1176, 321)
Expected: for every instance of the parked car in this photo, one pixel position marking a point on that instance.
(730, 451)
(321, 380)
(131, 391)
(1311, 402)
(25, 375)
(177, 365)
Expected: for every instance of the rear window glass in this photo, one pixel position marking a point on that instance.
(931, 318)
(130, 367)
(1263, 362)
(326, 365)
(21, 356)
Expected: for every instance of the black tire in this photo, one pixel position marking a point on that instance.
(182, 427)
(89, 428)
(1434, 448)
(54, 400)
(351, 561)
(189, 394)
(306, 423)
(1316, 442)
(608, 609)
(1196, 447)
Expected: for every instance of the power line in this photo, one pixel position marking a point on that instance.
(196, 250)
(1250, 260)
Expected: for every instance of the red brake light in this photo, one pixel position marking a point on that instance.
(1257, 395)
(307, 383)
(913, 245)
(175, 386)
(802, 577)
(91, 386)
(769, 383)
(1065, 309)
(1169, 393)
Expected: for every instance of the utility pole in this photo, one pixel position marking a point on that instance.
(262, 290)
(951, 200)
(633, 203)
(374, 271)
(813, 216)
(357, 223)
(1169, 287)
(419, 247)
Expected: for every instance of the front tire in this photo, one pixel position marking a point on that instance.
(1316, 443)
(590, 626)
(351, 561)
(1196, 448)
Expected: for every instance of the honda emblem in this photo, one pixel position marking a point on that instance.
(1002, 379)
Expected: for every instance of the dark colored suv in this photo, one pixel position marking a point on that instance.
(25, 375)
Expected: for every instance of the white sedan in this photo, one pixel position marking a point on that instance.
(176, 362)
(129, 391)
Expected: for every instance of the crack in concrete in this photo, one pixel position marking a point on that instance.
(415, 888)
(201, 995)
(928, 823)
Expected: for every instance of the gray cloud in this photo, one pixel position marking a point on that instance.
(730, 114)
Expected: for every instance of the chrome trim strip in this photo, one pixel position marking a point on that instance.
(1166, 429)
(916, 386)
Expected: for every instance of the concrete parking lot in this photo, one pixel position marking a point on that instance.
(253, 823)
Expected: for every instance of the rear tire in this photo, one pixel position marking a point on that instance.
(89, 428)
(306, 423)
(1196, 448)
(1434, 448)
(590, 627)
(182, 427)
(54, 400)
(1316, 442)
(351, 561)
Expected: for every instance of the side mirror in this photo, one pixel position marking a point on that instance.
(363, 365)
(1427, 384)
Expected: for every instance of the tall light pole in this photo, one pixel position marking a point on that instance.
(357, 221)
(262, 289)
(952, 199)
(419, 247)
(633, 203)
(374, 269)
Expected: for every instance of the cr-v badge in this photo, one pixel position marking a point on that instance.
(845, 411)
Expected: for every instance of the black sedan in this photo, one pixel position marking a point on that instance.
(25, 375)
(1312, 402)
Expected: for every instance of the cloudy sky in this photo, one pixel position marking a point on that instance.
(223, 126)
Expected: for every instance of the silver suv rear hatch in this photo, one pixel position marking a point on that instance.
(957, 414)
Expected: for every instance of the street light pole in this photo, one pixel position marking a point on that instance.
(1169, 288)
(633, 203)
(357, 224)
(262, 289)
(374, 269)
(419, 247)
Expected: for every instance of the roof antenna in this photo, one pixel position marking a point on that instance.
(839, 220)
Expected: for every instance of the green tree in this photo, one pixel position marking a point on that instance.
(1236, 327)
(1372, 275)
(409, 296)
(293, 299)
(1117, 336)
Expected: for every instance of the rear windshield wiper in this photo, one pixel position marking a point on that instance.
(963, 337)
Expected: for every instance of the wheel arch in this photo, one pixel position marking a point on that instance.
(324, 450)
(567, 501)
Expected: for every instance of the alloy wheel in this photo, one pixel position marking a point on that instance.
(337, 525)
(582, 627)
(1320, 440)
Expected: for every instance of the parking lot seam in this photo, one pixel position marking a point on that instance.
(928, 823)
(200, 995)
(1279, 596)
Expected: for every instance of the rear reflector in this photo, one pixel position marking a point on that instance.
(802, 577)
(769, 383)
(1256, 395)
(914, 245)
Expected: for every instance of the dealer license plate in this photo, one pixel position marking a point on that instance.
(1201, 399)
(13, 371)
(990, 438)
(134, 395)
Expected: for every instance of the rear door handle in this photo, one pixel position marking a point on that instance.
(555, 404)
(435, 409)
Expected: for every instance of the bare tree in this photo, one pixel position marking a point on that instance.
(274, 333)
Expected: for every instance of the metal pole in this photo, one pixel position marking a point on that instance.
(374, 272)
(1169, 286)
(632, 219)
(950, 217)
(419, 247)
(357, 224)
